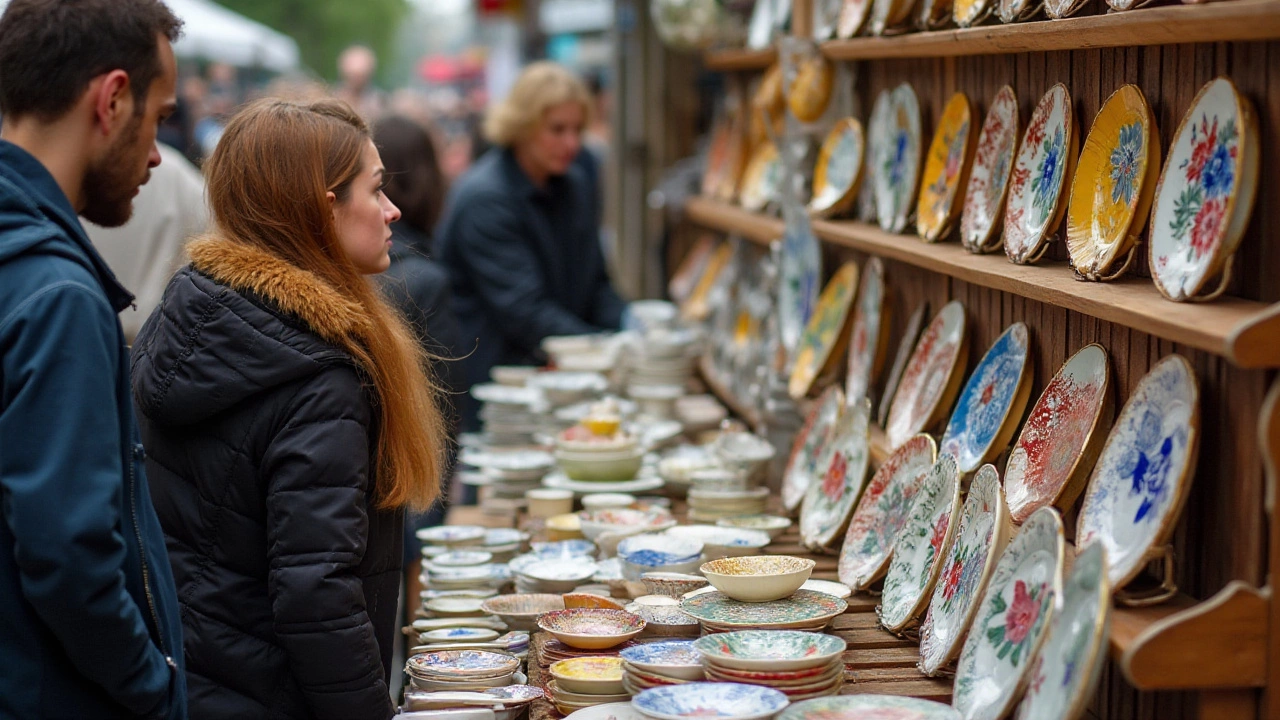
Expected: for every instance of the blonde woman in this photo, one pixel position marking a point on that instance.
(520, 235)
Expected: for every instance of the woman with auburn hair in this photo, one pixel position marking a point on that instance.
(289, 419)
(520, 234)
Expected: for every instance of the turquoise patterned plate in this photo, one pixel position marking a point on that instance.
(805, 607)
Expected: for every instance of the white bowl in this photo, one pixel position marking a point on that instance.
(606, 501)
(758, 578)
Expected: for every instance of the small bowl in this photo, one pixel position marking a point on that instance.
(521, 612)
(589, 675)
(677, 659)
(773, 525)
(758, 578)
(607, 501)
(663, 616)
(592, 629)
(717, 478)
(673, 585)
(462, 665)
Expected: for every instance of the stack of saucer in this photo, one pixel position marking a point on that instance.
(554, 651)
(712, 505)
(509, 473)
(504, 543)
(462, 670)
(510, 415)
(663, 357)
(672, 662)
(555, 575)
(584, 682)
(563, 388)
(801, 665)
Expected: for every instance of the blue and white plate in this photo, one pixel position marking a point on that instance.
(672, 658)
(991, 404)
(565, 549)
(710, 700)
(658, 550)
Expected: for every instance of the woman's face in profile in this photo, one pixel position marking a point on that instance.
(364, 218)
(557, 139)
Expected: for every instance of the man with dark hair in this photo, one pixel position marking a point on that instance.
(89, 624)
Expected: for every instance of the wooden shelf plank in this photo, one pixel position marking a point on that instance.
(755, 227)
(739, 59)
(1210, 22)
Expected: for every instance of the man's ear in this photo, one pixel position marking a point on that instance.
(112, 95)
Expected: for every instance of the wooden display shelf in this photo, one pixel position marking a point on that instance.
(1210, 22)
(1242, 331)
(712, 380)
(739, 59)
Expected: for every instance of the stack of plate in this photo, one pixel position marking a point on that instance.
(554, 575)
(712, 505)
(721, 542)
(508, 472)
(804, 610)
(510, 415)
(658, 553)
(554, 651)
(663, 617)
(801, 665)
(462, 670)
(507, 702)
(663, 358)
(699, 413)
(584, 682)
(475, 577)
(504, 543)
(563, 388)
(672, 662)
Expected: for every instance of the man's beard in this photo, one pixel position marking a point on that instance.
(109, 183)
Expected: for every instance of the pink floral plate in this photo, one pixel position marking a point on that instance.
(827, 503)
(987, 413)
(882, 511)
(808, 446)
(869, 334)
(1041, 173)
(1051, 460)
(932, 376)
(989, 180)
(921, 547)
(1011, 621)
(983, 533)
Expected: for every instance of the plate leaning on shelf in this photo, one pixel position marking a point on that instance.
(811, 88)
(883, 509)
(922, 545)
(1058, 9)
(802, 465)
(888, 15)
(1205, 194)
(906, 344)
(829, 500)
(800, 271)
(991, 403)
(824, 339)
(946, 169)
(1114, 183)
(932, 376)
(1017, 10)
(853, 15)
(967, 13)
(762, 180)
(897, 152)
(1050, 462)
(869, 334)
(725, 158)
(1144, 474)
(1041, 173)
(838, 174)
(1012, 620)
(988, 185)
(982, 535)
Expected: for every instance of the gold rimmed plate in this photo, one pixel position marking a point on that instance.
(984, 196)
(946, 169)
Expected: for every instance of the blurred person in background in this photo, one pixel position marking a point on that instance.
(520, 234)
(356, 66)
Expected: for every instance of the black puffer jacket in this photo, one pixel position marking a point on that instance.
(259, 433)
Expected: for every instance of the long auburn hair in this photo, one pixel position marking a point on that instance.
(267, 182)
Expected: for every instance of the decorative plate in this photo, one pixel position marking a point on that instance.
(827, 503)
(1044, 162)
(932, 376)
(725, 158)
(591, 621)
(805, 606)
(1142, 478)
(991, 403)
(1060, 441)
(608, 711)
(889, 14)
(989, 180)
(868, 707)
(654, 656)
(906, 344)
(883, 510)
(921, 546)
(876, 136)
(984, 531)
(807, 449)
(1068, 667)
(967, 13)
(811, 88)
(1010, 626)
(702, 699)
(824, 337)
(897, 157)
(1205, 193)
(800, 271)
(1017, 10)
(869, 333)
(762, 180)
(1113, 186)
(933, 14)
(1058, 9)
(825, 15)
(945, 170)
(462, 663)
(853, 15)
(774, 650)
(838, 174)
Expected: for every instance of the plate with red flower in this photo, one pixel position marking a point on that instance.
(830, 498)
(807, 448)
(932, 377)
(987, 413)
(981, 537)
(869, 333)
(1012, 619)
(989, 180)
(1041, 173)
(921, 547)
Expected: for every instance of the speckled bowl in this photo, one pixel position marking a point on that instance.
(589, 675)
(592, 628)
(520, 612)
(671, 584)
(758, 578)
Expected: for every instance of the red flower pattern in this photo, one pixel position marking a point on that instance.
(1023, 612)
(833, 481)
(1202, 150)
(939, 533)
(951, 580)
(1207, 225)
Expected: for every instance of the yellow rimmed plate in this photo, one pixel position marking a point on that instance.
(811, 90)
(838, 174)
(1113, 186)
(762, 179)
(825, 336)
(946, 169)
(967, 13)
(988, 183)
(1041, 173)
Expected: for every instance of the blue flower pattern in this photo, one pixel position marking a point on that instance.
(1218, 173)
(1124, 163)
(1148, 462)
(1049, 174)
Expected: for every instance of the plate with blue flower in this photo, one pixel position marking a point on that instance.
(991, 403)
(1141, 480)
(1040, 176)
(897, 156)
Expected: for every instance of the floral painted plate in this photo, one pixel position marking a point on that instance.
(770, 650)
(897, 157)
(887, 15)
(802, 465)
(989, 180)
(883, 510)
(946, 170)
(1141, 480)
(853, 15)
(811, 88)
(876, 136)
(906, 344)
(868, 707)
(983, 533)
(1058, 9)
(991, 403)
(1012, 619)
(762, 180)
(1062, 437)
(869, 333)
(1017, 10)
(921, 546)
(1040, 174)
(803, 608)
(932, 376)
(702, 699)
(825, 337)
(462, 664)
(800, 271)
(1067, 670)
(838, 174)
(1113, 186)
(1205, 193)
(827, 504)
